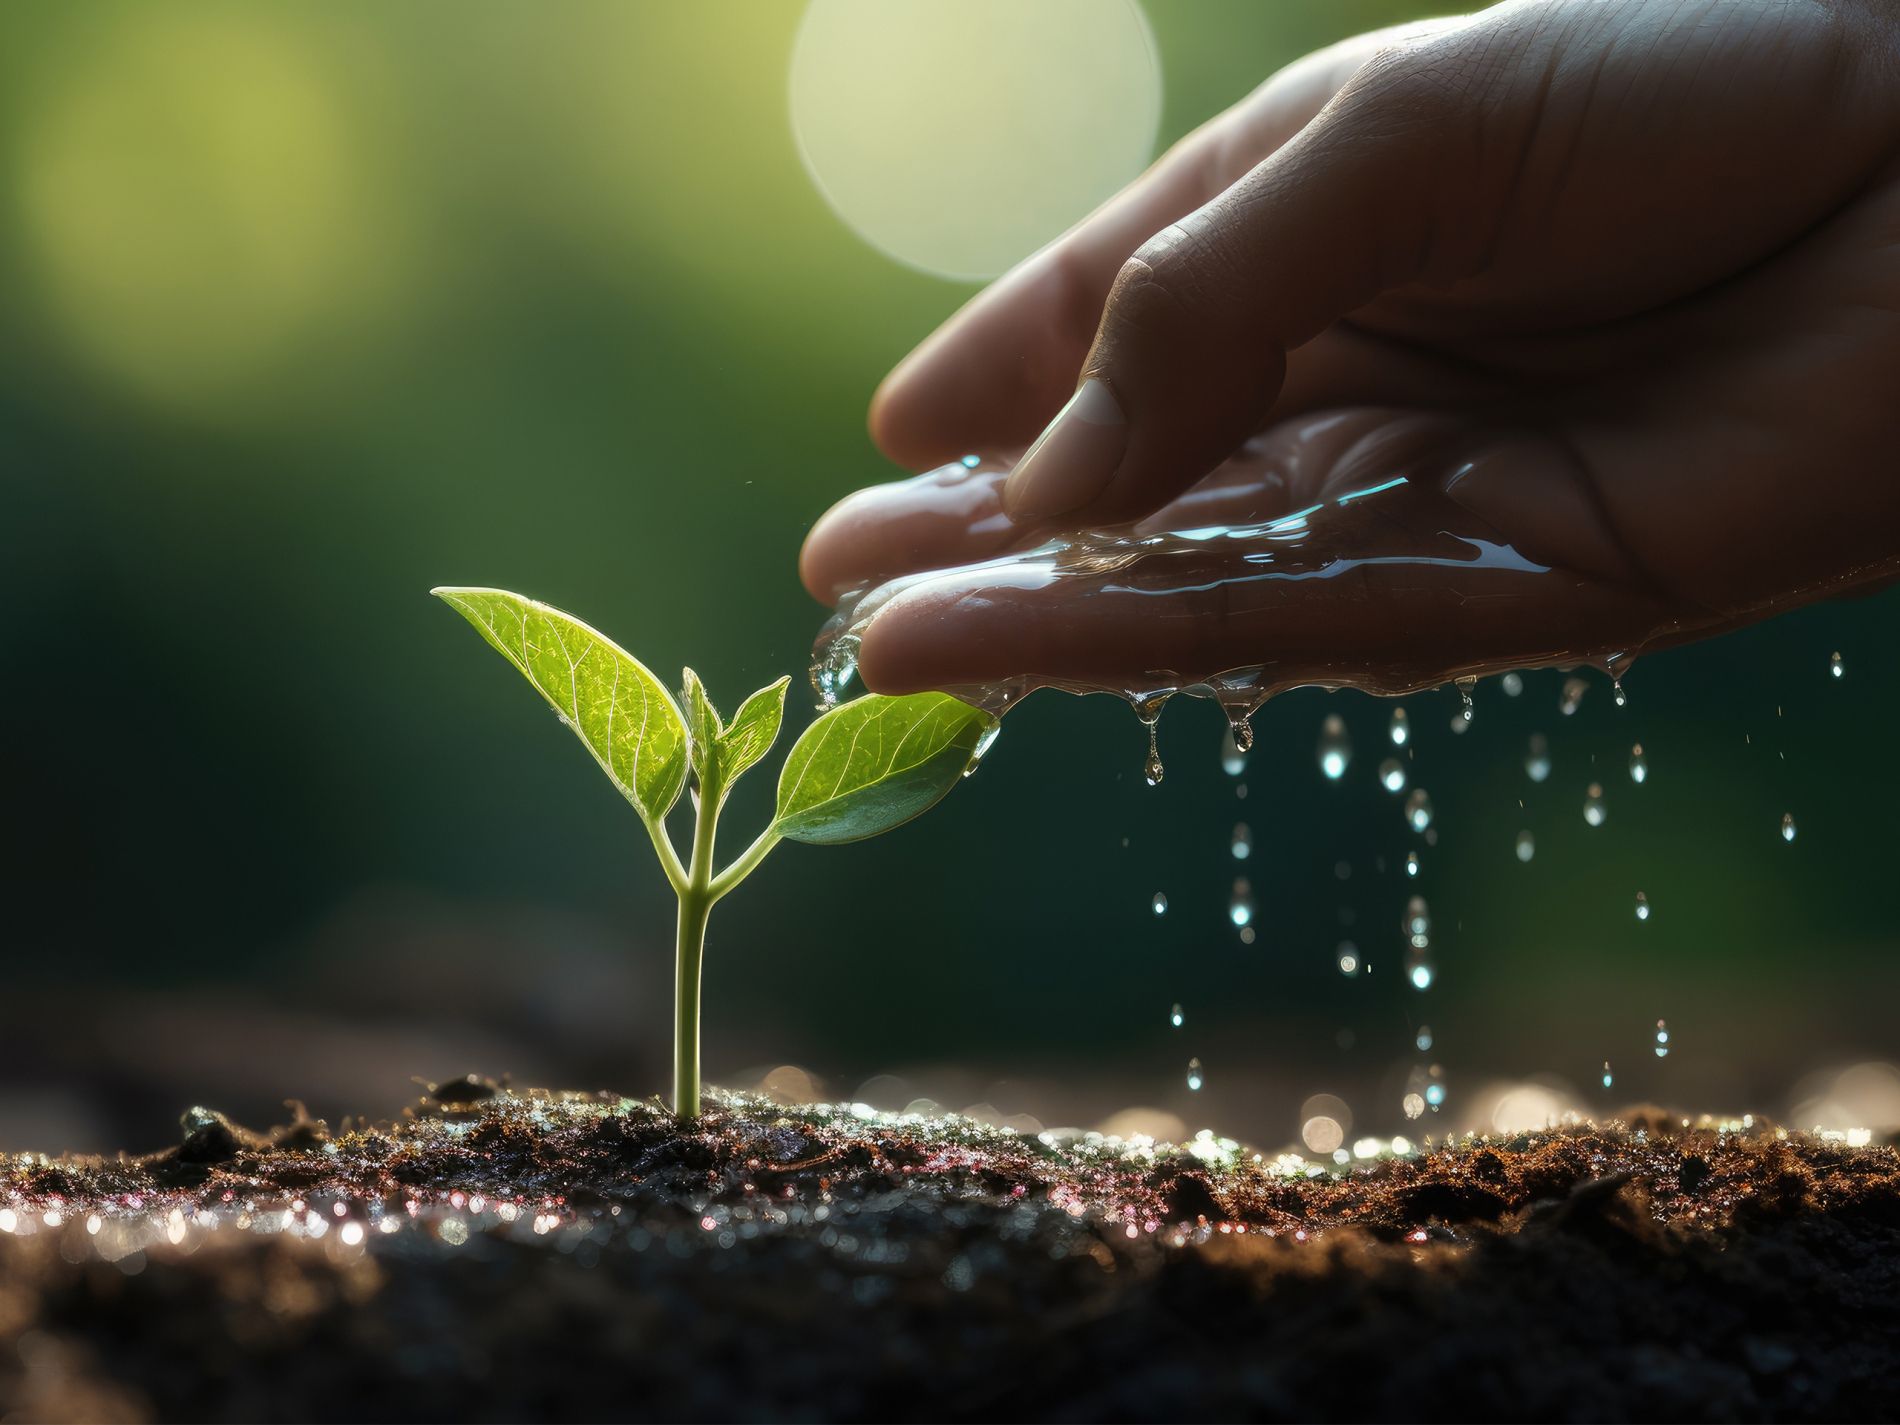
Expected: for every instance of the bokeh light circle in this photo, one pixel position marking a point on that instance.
(958, 136)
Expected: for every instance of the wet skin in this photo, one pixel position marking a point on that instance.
(1614, 286)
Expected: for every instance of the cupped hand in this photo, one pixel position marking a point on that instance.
(1612, 285)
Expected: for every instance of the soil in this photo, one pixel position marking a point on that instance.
(507, 1255)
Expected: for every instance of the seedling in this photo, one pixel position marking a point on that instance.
(859, 769)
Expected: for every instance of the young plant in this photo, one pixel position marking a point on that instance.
(858, 770)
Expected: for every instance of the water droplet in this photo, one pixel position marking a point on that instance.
(1348, 956)
(1435, 1087)
(1195, 1077)
(970, 462)
(1160, 903)
(1152, 768)
(1147, 708)
(984, 741)
(1787, 826)
(1335, 747)
(1419, 971)
(1175, 1016)
(1642, 906)
(1233, 757)
(1608, 1077)
(1241, 731)
(1512, 683)
(1418, 922)
(1246, 935)
(1616, 691)
(1835, 666)
(1400, 728)
(1418, 809)
(1526, 846)
(1594, 812)
(1240, 904)
(1460, 724)
(1411, 863)
(1242, 842)
(833, 672)
(1392, 775)
(1465, 685)
(1662, 1040)
(1572, 696)
(1424, 1038)
(1639, 765)
(1537, 759)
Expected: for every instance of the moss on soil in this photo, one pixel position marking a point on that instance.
(498, 1255)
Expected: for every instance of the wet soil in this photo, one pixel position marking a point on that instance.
(501, 1255)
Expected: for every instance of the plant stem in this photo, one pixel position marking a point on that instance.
(747, 863)
(696, 903)
(695, 907)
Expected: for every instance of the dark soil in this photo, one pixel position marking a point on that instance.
(501, 1256)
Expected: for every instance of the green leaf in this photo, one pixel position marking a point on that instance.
(752, 731)
(875, 763)
(606, 695)
(703, 728)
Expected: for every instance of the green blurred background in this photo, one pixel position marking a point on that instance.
(306, 308)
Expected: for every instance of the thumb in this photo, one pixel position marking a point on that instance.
(1191, 351)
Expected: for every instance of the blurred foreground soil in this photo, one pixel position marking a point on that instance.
(504, 1255)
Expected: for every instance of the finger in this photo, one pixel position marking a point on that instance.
(997, 372)
(954, 515)
(1192, 347)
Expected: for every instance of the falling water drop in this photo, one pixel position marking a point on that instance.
(1787, 826)
(1175, 1017)
(1616, 691)
(1435, 1087)
(1642, 906)
(1465, 685)
(1335, 747)
(1639, 765)
(1400, 729)
(1608, 1077)
(1835, 666)
(1152, 768)
(1662, 1040)
(1423, 1038)
(1572, 696)
(1348, 956)
(1418, 809)
(1240, 903)
(1512, 683)
(1418, 969)
(1594, 811)
(1242, 842)
(1241, 731)
(1194, 1076)
(1537, 759)
(1160, 903)
(1246, 935)
(1411, 863)
(1526, 846)
(1413, 1104)
(1417, 924)
(1233, 758)
(1460, 724)
(1392, 775)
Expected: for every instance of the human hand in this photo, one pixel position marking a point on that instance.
(1614, 286)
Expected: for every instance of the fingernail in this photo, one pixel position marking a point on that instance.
(1073, 460)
